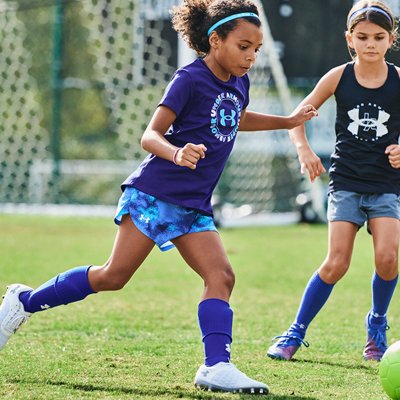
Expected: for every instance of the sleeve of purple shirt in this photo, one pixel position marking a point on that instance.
(178, 92)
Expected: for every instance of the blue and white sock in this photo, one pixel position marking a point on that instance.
(215, 320)
(382, 292)
(314, 297)
(68, 287)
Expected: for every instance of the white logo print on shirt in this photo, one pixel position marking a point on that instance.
(362, 118)
(225, 117)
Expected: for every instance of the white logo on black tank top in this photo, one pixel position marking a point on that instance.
(368, 122)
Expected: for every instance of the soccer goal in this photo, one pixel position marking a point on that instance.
(79, 81)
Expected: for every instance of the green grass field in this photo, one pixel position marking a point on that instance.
(144, 343)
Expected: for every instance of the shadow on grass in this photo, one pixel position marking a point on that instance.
(177, 393)
(363, 365)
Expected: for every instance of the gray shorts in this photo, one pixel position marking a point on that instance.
(360, 207)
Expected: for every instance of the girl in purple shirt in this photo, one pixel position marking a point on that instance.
(167, 200)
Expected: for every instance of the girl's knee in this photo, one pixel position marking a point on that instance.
(102, 279)
(230, 277)
(386, 260)
(221, 277)
(386, 264)
(334, 268)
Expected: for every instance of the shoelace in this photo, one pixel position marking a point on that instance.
(300, 341)
(379, 335)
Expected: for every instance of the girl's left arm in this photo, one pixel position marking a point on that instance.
(253, 121)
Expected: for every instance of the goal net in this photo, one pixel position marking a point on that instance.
(79, 81)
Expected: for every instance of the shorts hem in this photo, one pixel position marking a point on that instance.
(384, 215)
(347, 220)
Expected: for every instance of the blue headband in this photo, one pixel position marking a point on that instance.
(371, 8)
(230, 18)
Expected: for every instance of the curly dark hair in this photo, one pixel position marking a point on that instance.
(193, 18)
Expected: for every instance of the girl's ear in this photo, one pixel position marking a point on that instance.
(214, 40)
(349, 39)
(391, 40)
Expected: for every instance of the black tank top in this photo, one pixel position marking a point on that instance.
(367, 121)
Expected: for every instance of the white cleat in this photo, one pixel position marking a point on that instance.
(12, 313)
(226, 377)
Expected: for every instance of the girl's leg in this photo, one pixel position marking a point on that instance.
(341, 238)
(130, 249)
(386, 235)
(205, 254)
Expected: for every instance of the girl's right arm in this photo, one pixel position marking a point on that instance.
(324, 89)
(154, 142)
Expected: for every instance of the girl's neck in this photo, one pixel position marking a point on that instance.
(371, 75)
(216, 69)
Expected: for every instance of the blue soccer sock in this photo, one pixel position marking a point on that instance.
(68, 287)
(314, 297)
(215, 320)
(382, 292)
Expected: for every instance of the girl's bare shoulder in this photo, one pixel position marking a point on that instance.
(329, 82)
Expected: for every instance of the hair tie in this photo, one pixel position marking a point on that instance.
(230, 18)
(175, 154)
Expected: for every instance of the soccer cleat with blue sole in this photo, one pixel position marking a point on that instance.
(225, 377)
(286, 346)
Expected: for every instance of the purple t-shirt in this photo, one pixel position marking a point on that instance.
(207, 112)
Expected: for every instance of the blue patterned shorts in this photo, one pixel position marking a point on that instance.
(159, 220)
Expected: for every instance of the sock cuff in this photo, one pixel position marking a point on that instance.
(378, 278)
(317, 278)
(213, 301)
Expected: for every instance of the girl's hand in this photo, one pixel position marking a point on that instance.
(310, 162)
(189, 155)
(302, 114)
(393, 152)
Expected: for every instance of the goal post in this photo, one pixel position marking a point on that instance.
(117, 58)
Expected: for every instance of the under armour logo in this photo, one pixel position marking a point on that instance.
(45, 307)
(228, 347)
(230, 118)
(376, 315)
(144, 218)
(368, 123)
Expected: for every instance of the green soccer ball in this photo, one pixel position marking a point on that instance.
(389, 371)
